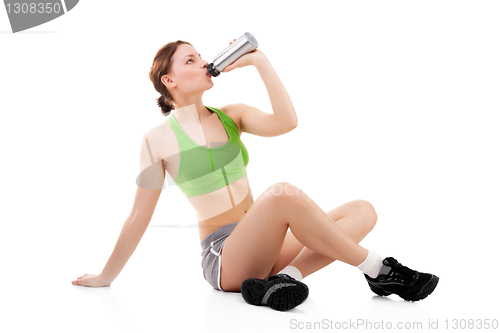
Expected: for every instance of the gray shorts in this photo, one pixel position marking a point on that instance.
(211, 247)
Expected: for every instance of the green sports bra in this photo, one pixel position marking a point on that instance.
(203, 170)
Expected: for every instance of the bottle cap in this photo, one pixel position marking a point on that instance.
(212, 70)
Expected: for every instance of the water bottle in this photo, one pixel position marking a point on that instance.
(243, 45)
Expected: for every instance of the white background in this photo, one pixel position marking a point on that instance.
(398, 104)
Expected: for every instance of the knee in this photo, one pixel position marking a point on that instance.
(287, 193)
(369, 213)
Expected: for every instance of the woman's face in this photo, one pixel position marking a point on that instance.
(189, 71)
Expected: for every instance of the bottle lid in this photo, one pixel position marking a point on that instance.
(212, 70)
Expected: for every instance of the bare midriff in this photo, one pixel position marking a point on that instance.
(235, 214)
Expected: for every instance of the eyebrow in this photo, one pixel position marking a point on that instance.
(191, 55)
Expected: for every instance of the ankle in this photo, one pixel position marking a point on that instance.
(371, 265)
(292, 271)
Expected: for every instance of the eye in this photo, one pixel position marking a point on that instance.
(188, 60)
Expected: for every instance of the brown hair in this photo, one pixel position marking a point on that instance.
(162, 64)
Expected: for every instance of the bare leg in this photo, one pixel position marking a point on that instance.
(357, 218)
(253, 247)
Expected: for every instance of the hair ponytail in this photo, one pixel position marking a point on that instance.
(166, 104)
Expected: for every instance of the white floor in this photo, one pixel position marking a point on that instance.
(161, 289)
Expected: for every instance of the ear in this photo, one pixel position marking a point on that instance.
(167, 81)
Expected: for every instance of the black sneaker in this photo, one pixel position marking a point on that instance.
(280, 292)
(402, 281)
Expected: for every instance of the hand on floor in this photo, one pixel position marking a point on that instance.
(90, 280)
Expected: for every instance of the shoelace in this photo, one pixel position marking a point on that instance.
(407, 273)
(277, 276)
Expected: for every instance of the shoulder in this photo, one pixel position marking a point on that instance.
(161, 140)
(233, 111)
(161, 129)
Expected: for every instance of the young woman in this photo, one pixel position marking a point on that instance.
(261, 248)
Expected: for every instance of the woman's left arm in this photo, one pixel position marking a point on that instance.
(282, 105)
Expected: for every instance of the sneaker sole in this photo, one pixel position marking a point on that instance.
(280, 294)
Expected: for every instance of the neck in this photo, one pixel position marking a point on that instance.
(192, 112)
(198, 106)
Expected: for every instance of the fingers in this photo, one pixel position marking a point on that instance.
(78, 279)
(231, 67)
(79, 282)
(232, 42)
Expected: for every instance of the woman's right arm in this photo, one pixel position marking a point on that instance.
(132, 231)
(149, 187)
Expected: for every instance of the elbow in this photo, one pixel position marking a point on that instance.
(287, 128)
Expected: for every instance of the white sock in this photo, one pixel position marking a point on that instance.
(292, 271)
(371, 265)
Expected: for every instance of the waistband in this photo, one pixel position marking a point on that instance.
(222, 231)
